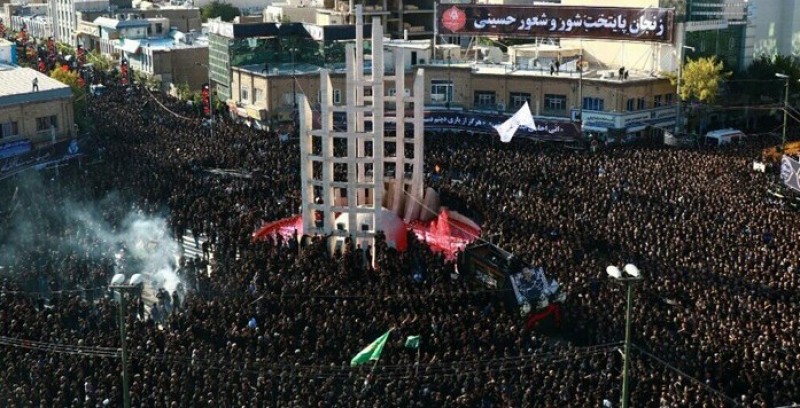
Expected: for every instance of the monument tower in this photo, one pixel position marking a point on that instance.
(355, 175)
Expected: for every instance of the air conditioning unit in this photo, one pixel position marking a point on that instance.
(438, 97)
(501, 106)
(609, 74)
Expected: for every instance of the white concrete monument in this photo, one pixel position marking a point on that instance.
(376, 161)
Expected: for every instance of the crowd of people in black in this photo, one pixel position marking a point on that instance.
(273, 323)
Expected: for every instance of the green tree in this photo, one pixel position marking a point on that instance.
(100, 61)
(219, 9)
(72, 79)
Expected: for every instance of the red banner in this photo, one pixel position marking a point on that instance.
(123, 72)
(206, 97)
(617, 23)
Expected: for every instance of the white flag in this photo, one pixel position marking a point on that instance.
(508, 128)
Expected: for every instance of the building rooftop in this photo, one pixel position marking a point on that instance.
(16, 86)
(115, 24)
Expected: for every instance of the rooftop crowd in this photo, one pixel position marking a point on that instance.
(276, 324)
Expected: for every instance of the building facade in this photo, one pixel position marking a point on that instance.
(34, 107)
(609, 106)
(269, 44)
(775, 27)
(63, 14)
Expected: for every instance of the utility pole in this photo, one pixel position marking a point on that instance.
(122, 289)
(633, 276)
(785, 108)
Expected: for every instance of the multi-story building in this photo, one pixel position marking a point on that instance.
(171, 60)
(774, 27)
(34, 108)
(267, 44)
(400, 18)
(96, 30)
(63, 14)
(609, 105)
(33, 17)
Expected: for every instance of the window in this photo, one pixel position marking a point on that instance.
(596, 104)
(290, 99)
(159, 28)
(441, 90)
(485, 99)
(45, 122)
(658, 100)
(635, 104)
(555, 102)
(517, 99)
(668, 98)
(258, 95)
(337, 96)
(245, 95)
(9, 129)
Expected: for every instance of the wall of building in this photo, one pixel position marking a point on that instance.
(184, 20)
(26, 114)
(184, 69)
(777, 27)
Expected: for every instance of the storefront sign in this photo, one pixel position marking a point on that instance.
(9, 149)
(618, 23)
(632, 121)
(40, 158)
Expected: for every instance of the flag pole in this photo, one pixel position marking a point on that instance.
(371, 372)
(418, 347)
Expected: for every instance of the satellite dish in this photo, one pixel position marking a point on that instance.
(118, 279)
(137, 278)
(614, 272)
(632, 270)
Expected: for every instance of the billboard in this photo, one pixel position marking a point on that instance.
(615, 23)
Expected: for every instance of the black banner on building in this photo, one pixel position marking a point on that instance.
(616, 23)
(474, 122)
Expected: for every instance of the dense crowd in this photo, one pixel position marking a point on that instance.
(275, 323)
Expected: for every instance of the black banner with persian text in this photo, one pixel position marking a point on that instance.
(474, 122)
(616, 23)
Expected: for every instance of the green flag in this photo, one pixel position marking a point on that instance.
(371, 352)
(412, 342)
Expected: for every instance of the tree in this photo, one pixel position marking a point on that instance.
(100, 61)
(216, 9)
(700, 84)
(72, 79)
(759, 82)
(701, 80)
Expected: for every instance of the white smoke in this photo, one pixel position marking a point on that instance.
(141, 244)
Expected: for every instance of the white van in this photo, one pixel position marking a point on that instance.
(724, 136)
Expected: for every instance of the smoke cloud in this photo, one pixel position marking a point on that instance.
(49, 226)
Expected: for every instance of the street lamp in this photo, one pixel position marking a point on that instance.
(785, 108)
(293, 50)
(633, 276)
(210, 99)
(678, 118)
(121, 289)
